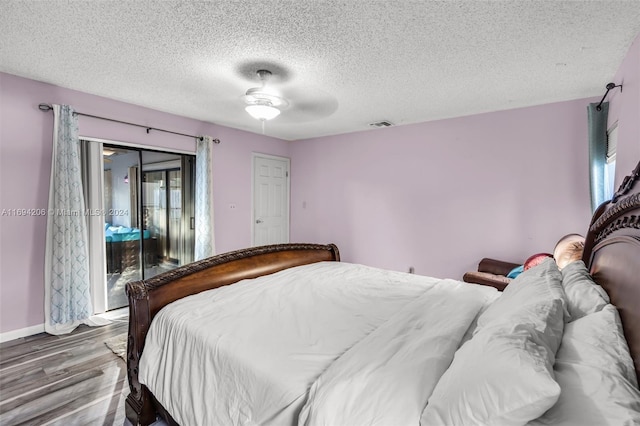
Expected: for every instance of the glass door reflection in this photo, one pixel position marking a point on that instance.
(166, 203)
(148, 198)
(121, 228)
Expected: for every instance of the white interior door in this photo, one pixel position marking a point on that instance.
(270, 200)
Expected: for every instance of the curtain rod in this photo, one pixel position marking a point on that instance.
(609, 87)
(47, 107)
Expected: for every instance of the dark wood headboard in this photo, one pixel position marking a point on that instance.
(147, 297)
(612, 253)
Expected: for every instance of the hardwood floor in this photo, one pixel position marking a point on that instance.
(73, 379)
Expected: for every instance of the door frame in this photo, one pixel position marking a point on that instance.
(287, 160)
(94, 200)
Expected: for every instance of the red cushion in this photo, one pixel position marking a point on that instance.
(536, 259)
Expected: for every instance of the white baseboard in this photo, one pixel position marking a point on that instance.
(23, 332)
(118, 314)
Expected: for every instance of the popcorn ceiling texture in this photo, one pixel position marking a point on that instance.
(341, 64)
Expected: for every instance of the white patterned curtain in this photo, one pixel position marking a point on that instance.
(205, 242)
(67, 284)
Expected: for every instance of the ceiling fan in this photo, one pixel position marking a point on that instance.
(274, 91)
(263, 103)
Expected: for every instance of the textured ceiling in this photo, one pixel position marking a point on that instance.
(342, 64)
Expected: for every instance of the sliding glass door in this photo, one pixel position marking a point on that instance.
(147, 204)
(167, 208)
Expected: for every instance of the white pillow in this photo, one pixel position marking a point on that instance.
(540, 283)
(596, 374)
(584, 296)
(504, 374)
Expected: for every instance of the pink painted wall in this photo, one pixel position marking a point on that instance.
(624, 107)
(25, 165)
(441, 195)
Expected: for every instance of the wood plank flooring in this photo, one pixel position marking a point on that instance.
(73, 379)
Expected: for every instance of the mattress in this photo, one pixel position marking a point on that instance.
(250, 353)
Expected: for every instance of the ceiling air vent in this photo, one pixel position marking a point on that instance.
(381, 124)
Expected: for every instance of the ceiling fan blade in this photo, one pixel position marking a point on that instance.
(307, 104)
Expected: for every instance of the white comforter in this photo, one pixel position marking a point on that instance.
(328, 337)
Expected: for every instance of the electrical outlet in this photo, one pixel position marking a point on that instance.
(232, 206)
(411, 269)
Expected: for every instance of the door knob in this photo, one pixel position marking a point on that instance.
(259, 220)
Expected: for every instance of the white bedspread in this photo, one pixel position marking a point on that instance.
(248, 354)
(387, 377)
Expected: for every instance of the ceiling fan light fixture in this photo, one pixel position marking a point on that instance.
(262, 111)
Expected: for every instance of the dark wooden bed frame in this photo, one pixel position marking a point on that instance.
(612, 251)
(147, 297)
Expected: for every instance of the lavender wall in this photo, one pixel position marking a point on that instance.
(25, 165)
(441, 195)
(624, 107)
(437, 196)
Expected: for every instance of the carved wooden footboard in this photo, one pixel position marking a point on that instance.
(147, 297)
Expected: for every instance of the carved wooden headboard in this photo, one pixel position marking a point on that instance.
(612, 253)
